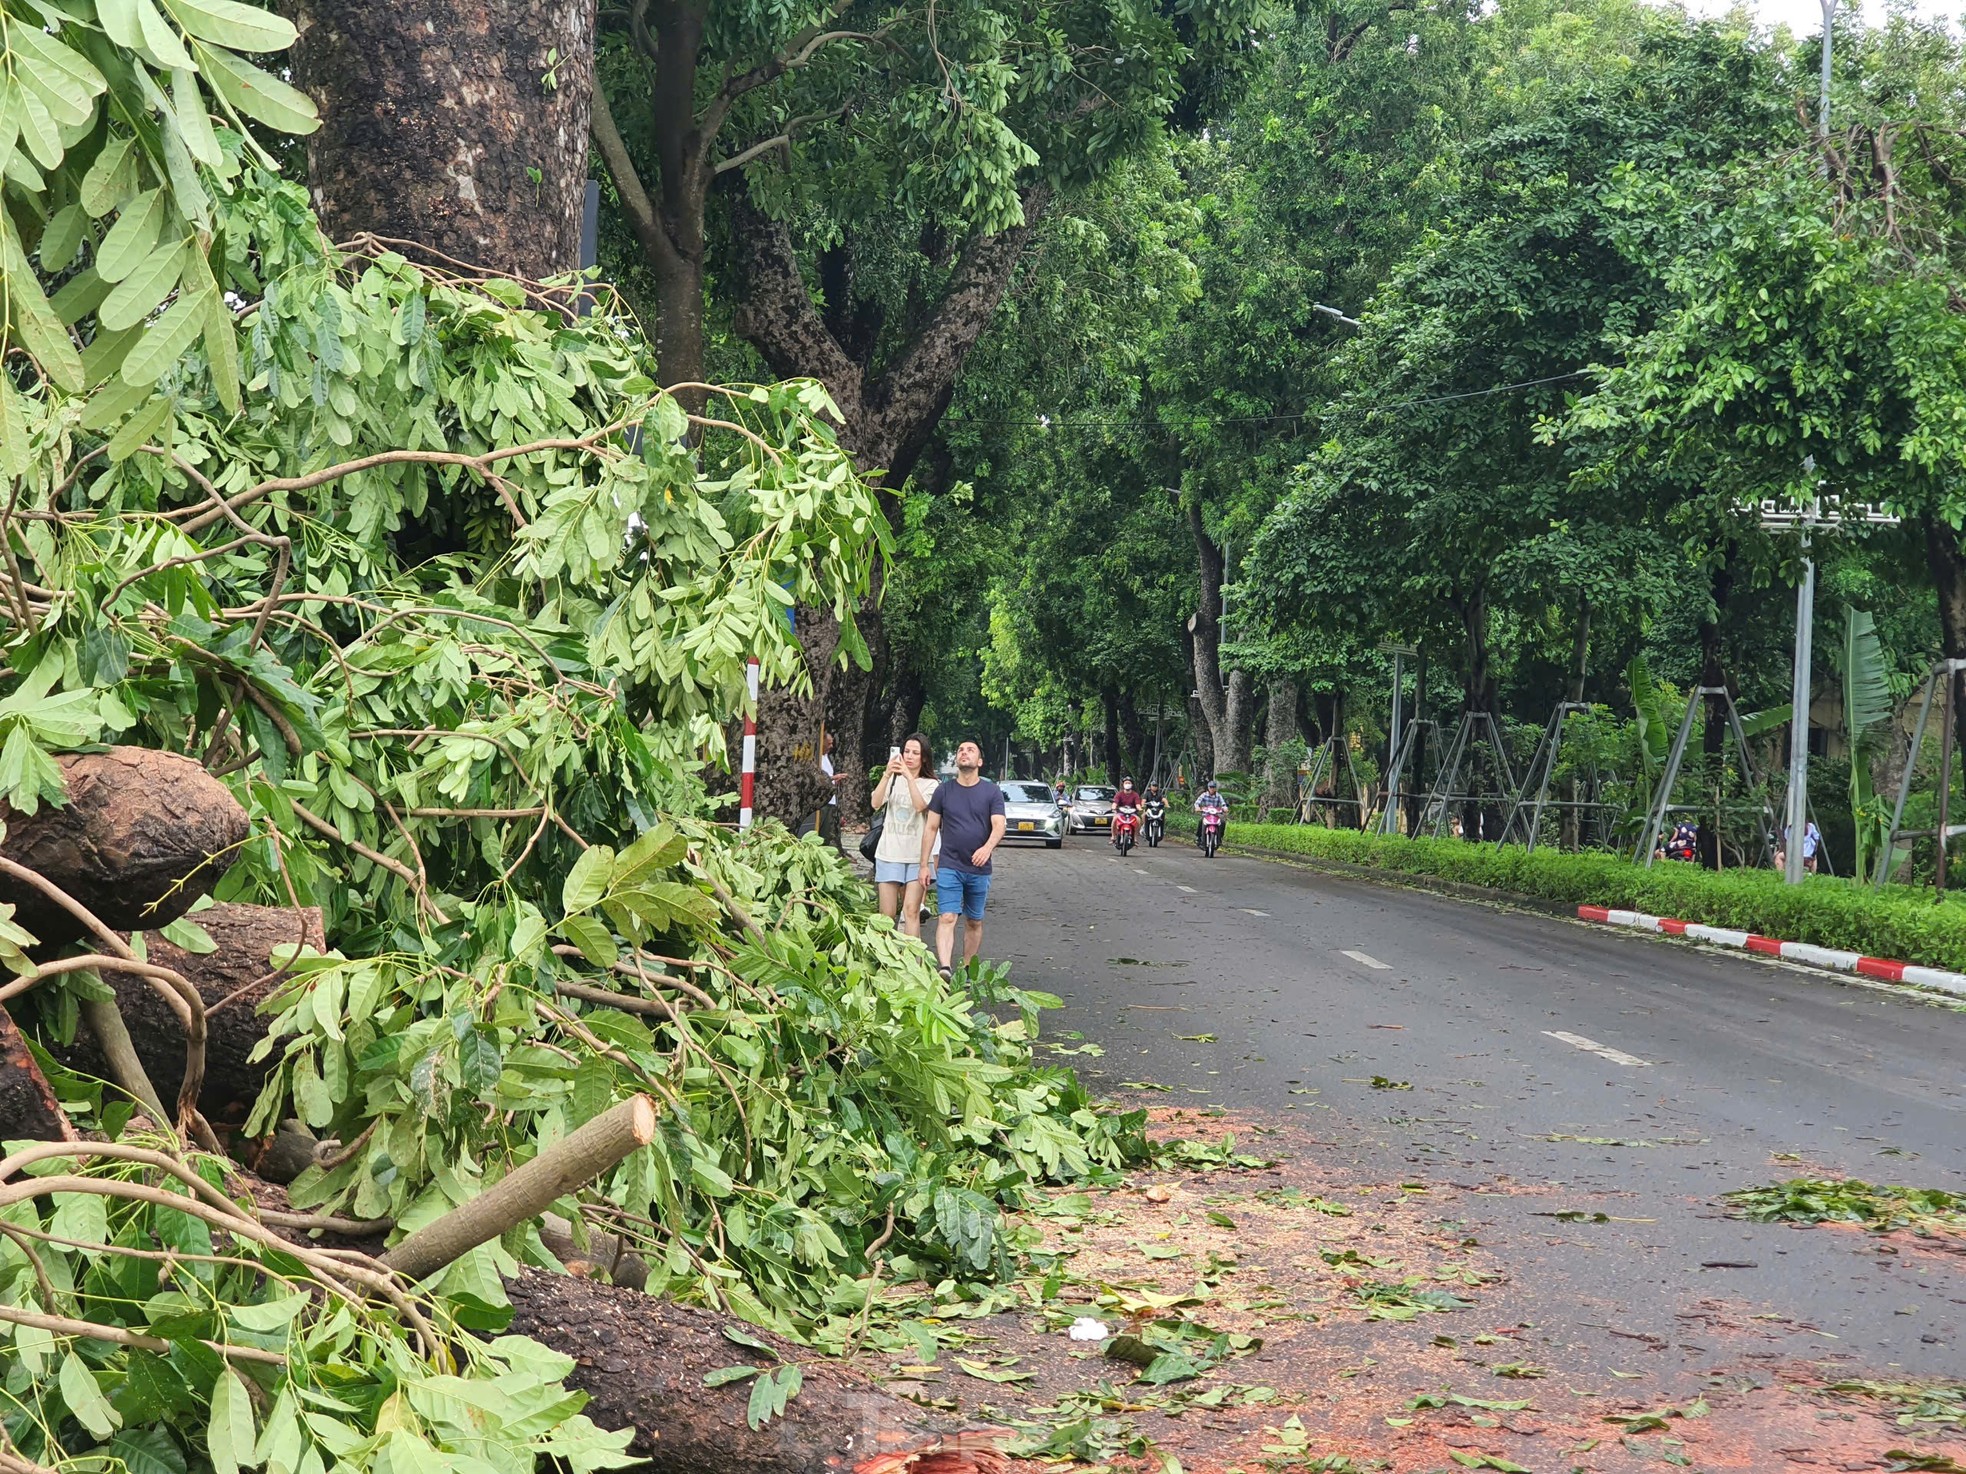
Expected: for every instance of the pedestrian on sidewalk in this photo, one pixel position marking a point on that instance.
(901, 798)
(968, 816)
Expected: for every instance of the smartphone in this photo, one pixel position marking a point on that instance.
(893, 753)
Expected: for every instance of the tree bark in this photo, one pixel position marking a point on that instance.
(1110, 702)
(668, 224)
(1580, 652)
(642, 1362)
(143, 835)
(887, 418)
(1224, 702)
(28, 1108)
(1198, 728)
(459, 127)
(1280, 734)
(1133, 735)
(239, 973)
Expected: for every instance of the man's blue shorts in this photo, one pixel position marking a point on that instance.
(956, 891)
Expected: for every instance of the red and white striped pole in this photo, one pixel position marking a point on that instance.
(747, 782)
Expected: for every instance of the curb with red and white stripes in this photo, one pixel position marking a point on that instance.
(1805, 952)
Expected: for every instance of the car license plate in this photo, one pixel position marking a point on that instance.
(1026, 824)
(1103, 819)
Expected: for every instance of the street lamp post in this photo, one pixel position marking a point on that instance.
(1805, 634)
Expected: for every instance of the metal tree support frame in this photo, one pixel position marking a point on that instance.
(1443, 794)
(1323, 765)
(1948, 672)
(1662, 803)
(1409, 740)
(1541, 769)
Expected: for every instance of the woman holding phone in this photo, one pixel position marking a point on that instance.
(902, 796)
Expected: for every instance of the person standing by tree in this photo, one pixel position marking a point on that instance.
(969, 815)
(902, 797)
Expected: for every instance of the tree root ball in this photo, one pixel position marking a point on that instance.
(143, 835)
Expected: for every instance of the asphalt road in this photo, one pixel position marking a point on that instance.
(1519, 1033)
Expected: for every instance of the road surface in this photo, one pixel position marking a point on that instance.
(1522, 1036)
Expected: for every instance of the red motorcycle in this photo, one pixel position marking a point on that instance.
(1211, 832)
(1126, 829)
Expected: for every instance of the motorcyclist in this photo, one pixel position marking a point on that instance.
(1127, 800)
(1155, 804)
(1211, 798)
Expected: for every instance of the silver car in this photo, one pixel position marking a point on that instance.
(1091, 809)
(1030, 812)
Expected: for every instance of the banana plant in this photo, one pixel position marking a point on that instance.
(1867, 708)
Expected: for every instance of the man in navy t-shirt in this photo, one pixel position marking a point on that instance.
(968, 815)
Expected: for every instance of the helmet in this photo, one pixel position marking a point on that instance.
(1211, 785)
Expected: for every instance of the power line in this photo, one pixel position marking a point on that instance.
(1045, 423)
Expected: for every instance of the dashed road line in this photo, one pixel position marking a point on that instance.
(1603, 1051)
(1252, 911)
(1367, 960)
(1188, 888)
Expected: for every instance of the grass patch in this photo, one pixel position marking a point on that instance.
(1928, 1211)
(1900, 922)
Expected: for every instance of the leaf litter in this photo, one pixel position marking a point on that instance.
(1284, 1315)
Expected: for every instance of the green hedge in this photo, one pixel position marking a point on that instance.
(1898, 922)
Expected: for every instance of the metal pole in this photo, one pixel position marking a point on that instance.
(747, 782)
(1392, 741)
(1798, 804)
(1947, 688)
(1822, 108)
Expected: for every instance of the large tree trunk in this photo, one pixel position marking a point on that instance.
(887, 415)
(1110, 748)
(143, 835)
(461, 128)
(643, 1364)
(1133, 738)
(1280, 735)
(668, 222)
(239, 973)
(790, 783)
(1480, 764)
(1225, 703)
(1198, 728)
(28, 1108)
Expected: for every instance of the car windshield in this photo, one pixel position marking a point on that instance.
(1027, 793)
(1095, 795)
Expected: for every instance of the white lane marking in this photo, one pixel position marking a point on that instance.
(1138, 871)
(1603, 1051)
(1367, 960)
(1188, 888)
(1252, 911)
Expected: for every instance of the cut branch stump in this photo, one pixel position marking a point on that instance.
(28, 1108)
(143, 835)
(528, 1190)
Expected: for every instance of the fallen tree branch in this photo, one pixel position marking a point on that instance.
(62, 1325)
(528, 1190)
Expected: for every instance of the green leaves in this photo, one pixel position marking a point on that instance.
(230, 1436)
(84, 1398)
(771, 1392)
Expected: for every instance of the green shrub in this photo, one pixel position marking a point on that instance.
(1898, 922)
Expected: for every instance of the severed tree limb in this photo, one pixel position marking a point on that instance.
(63, 1325)
(627, 1003)
(528, 1190)
(105, 1021)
